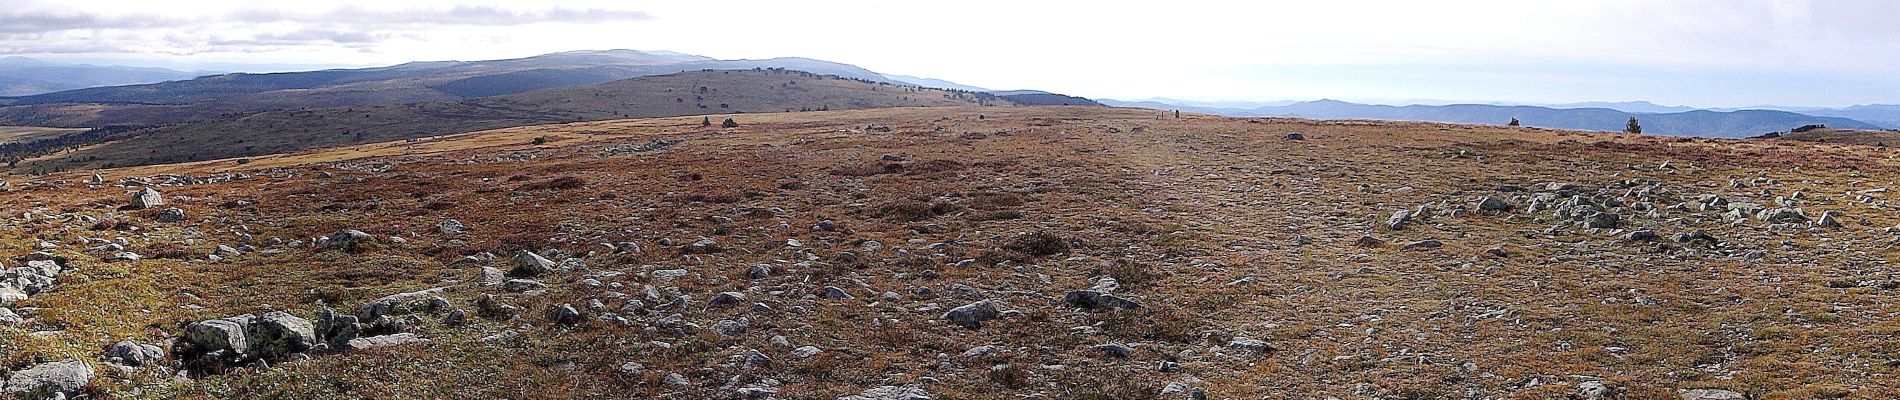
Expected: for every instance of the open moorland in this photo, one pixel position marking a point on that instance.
(966, 253)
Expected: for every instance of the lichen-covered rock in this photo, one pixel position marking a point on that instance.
(224, 334)
(52, 380)
(277, 334)
(134, 354)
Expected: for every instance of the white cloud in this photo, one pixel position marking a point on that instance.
(1712, 52)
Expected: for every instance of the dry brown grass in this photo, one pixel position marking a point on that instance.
(1174, 212)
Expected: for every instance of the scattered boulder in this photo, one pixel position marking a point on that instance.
(1493, 205)
(906, 392)
(760, 271)
(972, 315)
(1426, 244)
(134, 354)
(450, 227)
(1640, 236)
(523, 285)
(1827, 220)
(8, 318)
(365, 343)
(222, 339)
(1602, 220)
(833, 292)
(1782, 215)
(528, 265)
(1710, 394)
(276, 334)
(1592, 390)
(1294, 136)
(1399, 219)
(173, 214)
(564, 314)
(54, 380)
(147, 198)
(348, 240)
(1253, 346)
(1093, 300)
(806, 352)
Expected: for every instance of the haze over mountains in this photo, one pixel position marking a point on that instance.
(20, 76)
(1600, 116)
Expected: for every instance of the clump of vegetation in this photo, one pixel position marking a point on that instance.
(729, 123)
(559, 183)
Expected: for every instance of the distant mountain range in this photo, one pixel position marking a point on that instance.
(20, 76)
(245, 114)
(685, 93)
(1681, 121)
(238, 93)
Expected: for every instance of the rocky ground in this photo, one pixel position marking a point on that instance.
(965, 253)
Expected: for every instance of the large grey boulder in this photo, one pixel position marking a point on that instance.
(528, 264)
(147, 198)
(173, 214)
(906, 392)
(336, 330)
(972, 315)
(224, 334)
(8, 318)
(134, 354)
(403, 304)
(9, 295)
(1493, 205)
(348, 239)
(1398, 219)
(52, 380)
(277, 334)
(1782, 215)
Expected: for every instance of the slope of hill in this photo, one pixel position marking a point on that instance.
(974, 253)
(1730, 124)
(688, 93)
(1885, 115)
(1848, 136)
(1041, 98)
(219, 95)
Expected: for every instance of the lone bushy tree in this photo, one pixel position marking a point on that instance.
(729, 123)
(1513, 122)
(1633, 127)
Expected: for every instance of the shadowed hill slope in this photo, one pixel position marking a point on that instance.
(690, 93)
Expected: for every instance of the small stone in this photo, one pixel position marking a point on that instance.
(805, 352)
(1710, 394)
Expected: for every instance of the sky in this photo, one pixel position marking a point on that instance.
(1730, 53)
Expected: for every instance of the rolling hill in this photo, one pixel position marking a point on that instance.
(686, 93)
(223, 95)
(1732, 124)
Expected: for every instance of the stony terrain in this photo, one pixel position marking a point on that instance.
(965, 253)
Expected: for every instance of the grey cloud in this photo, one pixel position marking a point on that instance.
(458, 15)
(16, 22)
(27, 31)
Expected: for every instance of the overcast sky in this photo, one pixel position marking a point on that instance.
(1699, 53)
